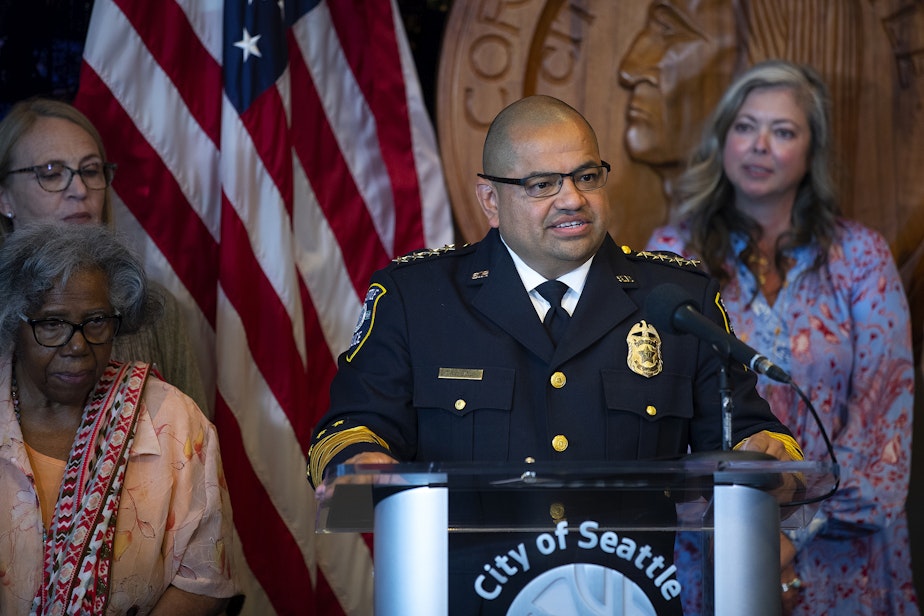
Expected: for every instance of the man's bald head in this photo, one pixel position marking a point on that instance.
(499, 154)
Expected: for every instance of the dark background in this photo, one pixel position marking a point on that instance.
(41, 44)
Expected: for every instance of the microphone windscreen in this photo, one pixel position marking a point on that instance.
(662, 304)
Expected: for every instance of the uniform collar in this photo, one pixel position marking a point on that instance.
(575, 279)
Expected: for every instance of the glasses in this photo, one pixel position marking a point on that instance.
(55, 177)
(549, 184)
(54, 332)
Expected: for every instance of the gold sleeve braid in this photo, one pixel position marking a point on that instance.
(792, 447)
(323, 451)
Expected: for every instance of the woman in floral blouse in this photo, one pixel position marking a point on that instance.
(113, 497)
(821, 296)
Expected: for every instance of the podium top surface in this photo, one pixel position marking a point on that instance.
(482, 494)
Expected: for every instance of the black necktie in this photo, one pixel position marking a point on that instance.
(556, 319)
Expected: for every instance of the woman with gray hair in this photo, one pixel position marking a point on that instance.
(821, 296)
(117, 502)
(30, 271)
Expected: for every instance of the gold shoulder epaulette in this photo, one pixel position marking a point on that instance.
(426, 253)
(662, 256)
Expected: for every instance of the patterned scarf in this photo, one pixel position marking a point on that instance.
(78, 547)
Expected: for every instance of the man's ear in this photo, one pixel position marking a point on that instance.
(486, 194)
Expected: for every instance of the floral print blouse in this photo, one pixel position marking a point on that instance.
(174, 521)
(843, 334)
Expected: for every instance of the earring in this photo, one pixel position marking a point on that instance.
(9, 215)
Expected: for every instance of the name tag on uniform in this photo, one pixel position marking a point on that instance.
(463, 374)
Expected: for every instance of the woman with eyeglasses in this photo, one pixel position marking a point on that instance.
(111, 481)
(53, 167)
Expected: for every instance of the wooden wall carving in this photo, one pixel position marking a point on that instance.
(673, 59)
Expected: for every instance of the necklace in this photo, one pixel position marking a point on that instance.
(760, 266)
(14, 391)
(770, 279)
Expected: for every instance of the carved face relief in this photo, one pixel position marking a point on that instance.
(675, 71)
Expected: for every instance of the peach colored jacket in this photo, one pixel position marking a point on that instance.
(174, 520)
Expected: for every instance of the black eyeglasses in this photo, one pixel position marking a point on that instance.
(54, 332)
(55, 177)
(549, 184)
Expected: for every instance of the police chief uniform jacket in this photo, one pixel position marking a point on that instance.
(450, 362)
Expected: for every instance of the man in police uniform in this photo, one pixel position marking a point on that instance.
(451, 360)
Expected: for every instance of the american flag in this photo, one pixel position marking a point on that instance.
(272, 154)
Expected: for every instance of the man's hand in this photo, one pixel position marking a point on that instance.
(792, 487)
(366, 457)
(763, 442)
(371, 457)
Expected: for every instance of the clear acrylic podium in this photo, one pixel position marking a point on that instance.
(412, 508)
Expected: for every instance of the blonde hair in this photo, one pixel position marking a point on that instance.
(21, 119)
(707, 197)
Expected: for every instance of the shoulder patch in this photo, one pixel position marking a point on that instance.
(366, 320)
(427, 253)
(721, 305)
(666, 257)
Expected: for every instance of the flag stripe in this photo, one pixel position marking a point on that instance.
(349, 118)
(320, 366)
(334, 299)
(361, 26)
(158, 111)
(434, 200)
(256, 519)
(177, 234)
(176, 48)
(265, 319)
(257, 201)
(266, 124)
(334, 186)
(270, 449)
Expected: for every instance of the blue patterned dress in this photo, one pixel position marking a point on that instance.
(843, 333)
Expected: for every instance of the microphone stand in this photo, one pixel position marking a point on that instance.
(723, 350)
(728, 406)
(727, 453)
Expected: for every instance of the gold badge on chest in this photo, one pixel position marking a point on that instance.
(644, 356)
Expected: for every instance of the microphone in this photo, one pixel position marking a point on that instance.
(671, 309)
